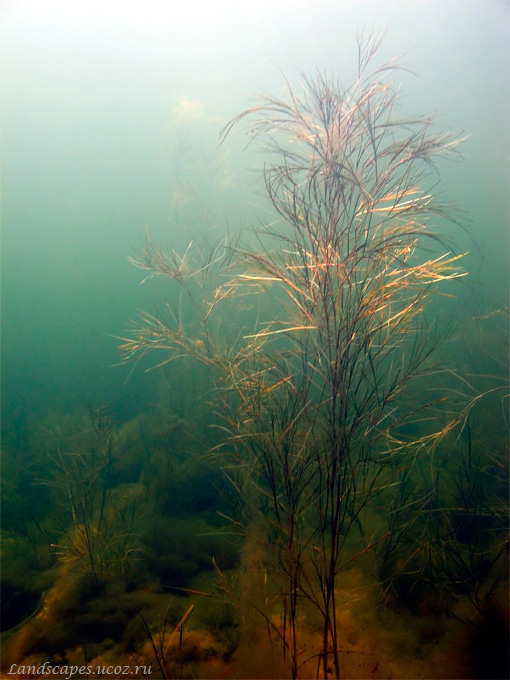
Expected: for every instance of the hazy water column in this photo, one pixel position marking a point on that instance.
(89, 120)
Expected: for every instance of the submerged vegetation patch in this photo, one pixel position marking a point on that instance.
(320, 496)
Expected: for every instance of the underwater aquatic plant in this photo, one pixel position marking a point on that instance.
(100, 539)
(471, 531)
(446, 549)
(165, 638)
(314, 400)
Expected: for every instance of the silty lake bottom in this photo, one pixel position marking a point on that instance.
(312, 479)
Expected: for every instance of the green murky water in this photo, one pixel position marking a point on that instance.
(124, 541)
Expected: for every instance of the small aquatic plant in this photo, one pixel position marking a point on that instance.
(471, 536)
(98, 538)
(315, 400)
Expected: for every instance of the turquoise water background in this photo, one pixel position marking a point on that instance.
(110, 122)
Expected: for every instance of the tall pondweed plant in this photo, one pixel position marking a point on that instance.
(316, 400)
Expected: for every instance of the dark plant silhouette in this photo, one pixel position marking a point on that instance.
(98, 537)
